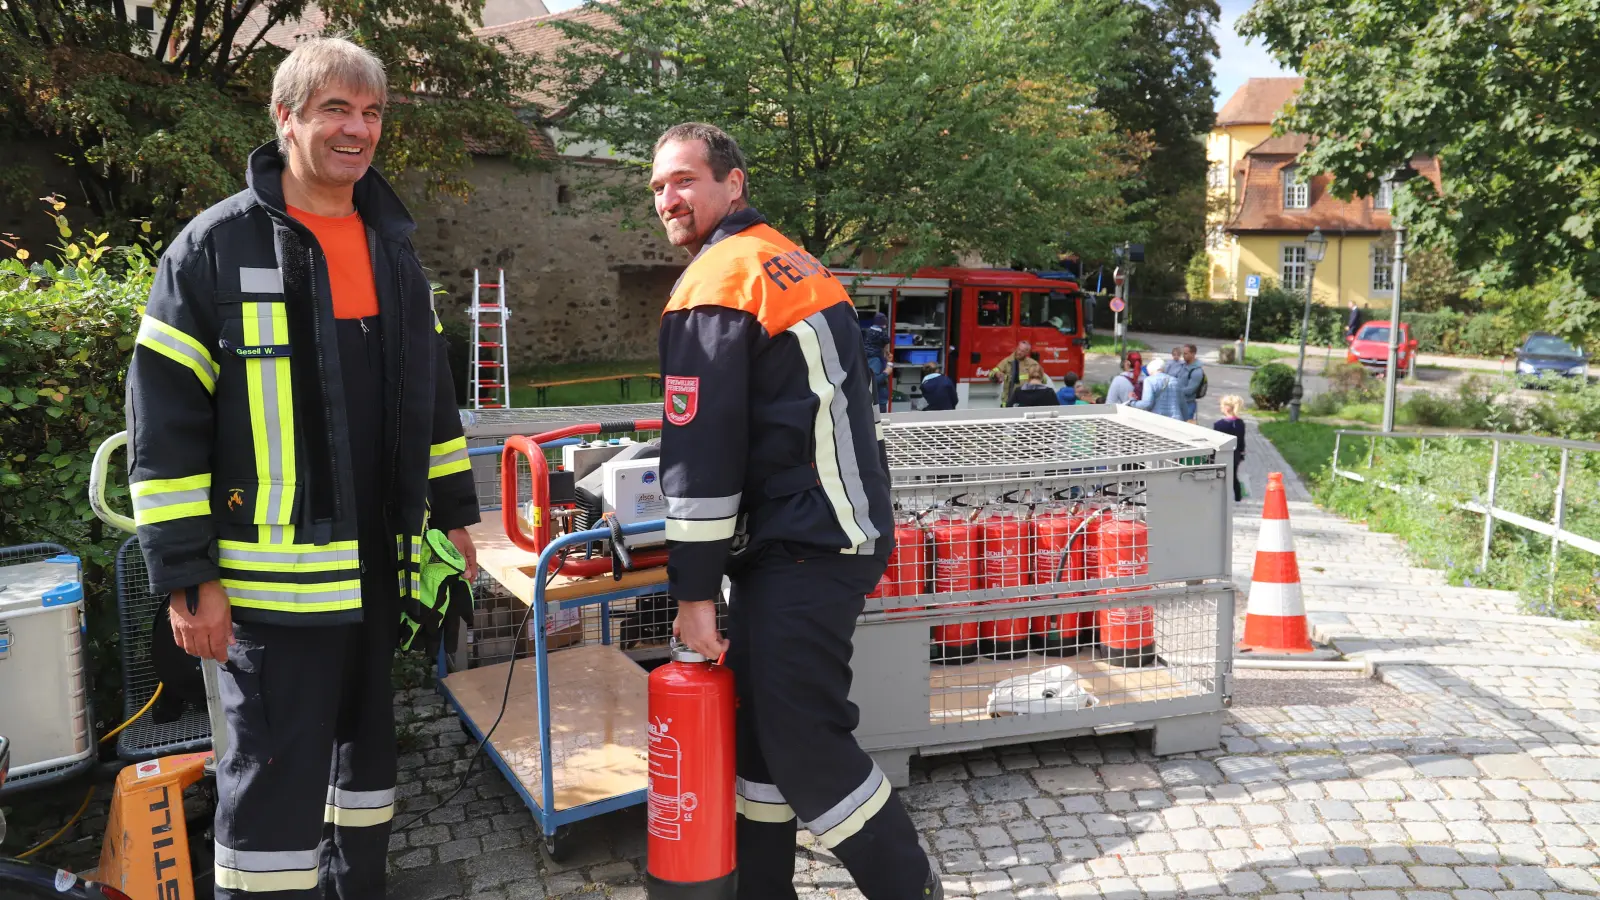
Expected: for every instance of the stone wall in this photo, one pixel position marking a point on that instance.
(579, 287)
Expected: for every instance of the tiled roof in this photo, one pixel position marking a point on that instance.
(539, 39)
(1258, 100)
(1261, 194)
(543, 147)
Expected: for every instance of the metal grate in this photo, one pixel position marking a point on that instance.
(1106, 651)
(986, 446)
(27, 553)
(476, 419)
(149, 736)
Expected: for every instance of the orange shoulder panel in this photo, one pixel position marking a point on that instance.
(760, 272)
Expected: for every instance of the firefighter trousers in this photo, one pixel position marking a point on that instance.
(306, 788)
(791, 619)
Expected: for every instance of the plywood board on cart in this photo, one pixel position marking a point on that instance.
(960, 693)
(516, 569)
(598, 739)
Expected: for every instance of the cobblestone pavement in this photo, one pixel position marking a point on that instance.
(1471, 774)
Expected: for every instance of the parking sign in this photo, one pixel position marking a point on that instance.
(1252, 285)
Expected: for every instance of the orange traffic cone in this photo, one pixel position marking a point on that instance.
(1275, 621)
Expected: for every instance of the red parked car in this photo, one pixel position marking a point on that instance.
(1370, 347)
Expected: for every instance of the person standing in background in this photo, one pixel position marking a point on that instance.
(875, 341)
(1121, 389)
(1352, 323)
(1230, 423)
(1192, 381)
(1160, 393)
(1034, 392)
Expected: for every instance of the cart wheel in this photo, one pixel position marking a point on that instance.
(558, 843)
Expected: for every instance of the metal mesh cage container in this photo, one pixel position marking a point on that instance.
(491, 427)
(171, 726)
(1056, 572)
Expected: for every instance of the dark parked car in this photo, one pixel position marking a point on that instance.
(1545, 355)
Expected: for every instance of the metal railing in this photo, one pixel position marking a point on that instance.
(1485, 506)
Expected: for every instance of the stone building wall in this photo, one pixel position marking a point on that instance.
(580, 288)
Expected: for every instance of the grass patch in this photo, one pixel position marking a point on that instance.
(523, 394)
(1308, 446)
(1257, 355)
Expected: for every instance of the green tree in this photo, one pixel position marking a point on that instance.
(165, 134)
(1158, 83)
(929, 128)
(1503, 92)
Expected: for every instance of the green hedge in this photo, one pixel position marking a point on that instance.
(1275, 318)
(1458, 334)
(66, 334)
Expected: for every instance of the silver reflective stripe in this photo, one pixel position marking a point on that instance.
(703, 507)
(272, 479)
(159, 335)
(260, 281)
(170, 498)
(457, 455)
(333, 595)
(310, 556)
(265, 860)
(755, 790)
(359, 799)
(838, 468)
(853, 801)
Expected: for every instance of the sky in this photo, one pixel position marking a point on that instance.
(1236, 59)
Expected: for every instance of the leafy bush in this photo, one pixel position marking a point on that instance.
(1197, 276)
(66, 331)
(1271, 386)
(1349, 379)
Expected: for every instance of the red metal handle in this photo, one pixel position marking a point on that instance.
(539, 470)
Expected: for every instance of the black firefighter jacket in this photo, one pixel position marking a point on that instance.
(239, 452)
(770, 434)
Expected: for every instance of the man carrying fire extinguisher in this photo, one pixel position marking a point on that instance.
(775, 475)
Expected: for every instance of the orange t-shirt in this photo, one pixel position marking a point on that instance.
(344, 246)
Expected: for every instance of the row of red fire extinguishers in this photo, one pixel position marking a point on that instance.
(954, 549)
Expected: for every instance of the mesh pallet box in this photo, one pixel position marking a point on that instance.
(1058, 572)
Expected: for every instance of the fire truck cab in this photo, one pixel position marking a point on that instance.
(967, 320)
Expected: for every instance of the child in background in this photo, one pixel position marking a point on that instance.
(1068, 394)
(1230, 423)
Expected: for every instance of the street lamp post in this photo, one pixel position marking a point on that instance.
(1316, 245)
(1401, 175)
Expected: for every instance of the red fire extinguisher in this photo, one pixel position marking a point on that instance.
(1007, 562)
(690, 803)
(1127, 634)
(1063, 533)
(907, 573)
(957, 568)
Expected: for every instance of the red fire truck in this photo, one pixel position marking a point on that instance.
(967, 320)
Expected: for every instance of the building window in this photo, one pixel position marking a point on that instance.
(1296, 194)
(1385, 196)
(1217, 176)
(1382, 270)
(145, 17)
(1292, 270)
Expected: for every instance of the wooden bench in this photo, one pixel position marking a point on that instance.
(624, 385)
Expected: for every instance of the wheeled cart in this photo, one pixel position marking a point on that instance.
(571, 738)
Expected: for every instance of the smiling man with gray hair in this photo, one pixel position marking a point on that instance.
(296, 459)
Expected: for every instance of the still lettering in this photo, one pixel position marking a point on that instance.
(162, 832)
(792, 268)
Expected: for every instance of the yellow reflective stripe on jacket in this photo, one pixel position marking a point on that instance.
(288, 557)
(271, 413)
(182, 349)
(330, 596)
(448, 458)
(164, 499)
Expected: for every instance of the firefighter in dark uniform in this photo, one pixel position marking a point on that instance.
(775, 475)
(292, 427)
